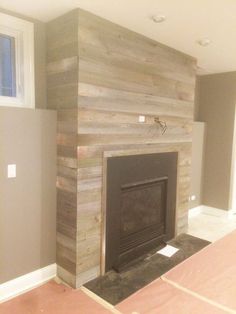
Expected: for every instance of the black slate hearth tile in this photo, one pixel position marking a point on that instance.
(115, 287)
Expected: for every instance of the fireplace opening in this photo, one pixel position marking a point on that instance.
(140, 206)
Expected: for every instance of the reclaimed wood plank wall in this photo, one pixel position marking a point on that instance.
(62, 91)
(101, 77)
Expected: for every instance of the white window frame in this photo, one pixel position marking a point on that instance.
(23, 33)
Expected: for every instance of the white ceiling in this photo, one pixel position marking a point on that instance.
(187, 21)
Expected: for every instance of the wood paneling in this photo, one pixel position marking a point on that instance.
(101, 77)
(62, 84)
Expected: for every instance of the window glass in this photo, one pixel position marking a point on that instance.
(7, 66)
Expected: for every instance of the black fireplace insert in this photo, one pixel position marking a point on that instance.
(140, 206)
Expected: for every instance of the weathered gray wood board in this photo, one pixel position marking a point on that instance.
(101, 77)
(62, 90)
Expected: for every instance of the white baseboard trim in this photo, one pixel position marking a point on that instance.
(12, 288)
(194, 211)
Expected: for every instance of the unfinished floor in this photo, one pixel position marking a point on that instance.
(194, 286)
(204, 282)
(115, 287)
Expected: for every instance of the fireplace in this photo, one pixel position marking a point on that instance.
(140, 206)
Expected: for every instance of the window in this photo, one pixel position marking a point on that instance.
(16, 62)
(7, 66)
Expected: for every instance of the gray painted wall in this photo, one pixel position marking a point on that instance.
(197, 163)
(217, 98)
(27, 203)
(196, 99)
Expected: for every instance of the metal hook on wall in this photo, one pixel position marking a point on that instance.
(162, 124)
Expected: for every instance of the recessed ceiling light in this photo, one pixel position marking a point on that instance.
(159, 18)
(204, 42)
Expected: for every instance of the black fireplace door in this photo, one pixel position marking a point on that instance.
(140, 205)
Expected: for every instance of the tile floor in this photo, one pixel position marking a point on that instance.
(211, 223)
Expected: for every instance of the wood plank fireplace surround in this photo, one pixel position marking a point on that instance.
(101, 78)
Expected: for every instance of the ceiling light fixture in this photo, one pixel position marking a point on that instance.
(204, 42)
(158, 18)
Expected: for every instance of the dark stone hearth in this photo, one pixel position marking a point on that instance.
(115, 287)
